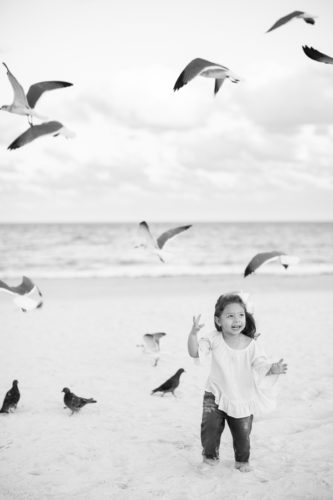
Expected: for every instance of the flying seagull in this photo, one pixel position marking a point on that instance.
(151, 345)
(11, 399)
(316, 55)
(73, 402)
(27, 294)
(34, 131)
(152, 341)
(297, 14)
(156, 245)
(202, 67)
(169, 385)
(262, 258)
(25, 104)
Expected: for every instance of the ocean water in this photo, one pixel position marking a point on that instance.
(108, 249)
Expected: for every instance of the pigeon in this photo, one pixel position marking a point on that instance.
(151, 345)
(11, 399)
(169, 385)
(316, 55)
(202, 67)
(156, 245)
(25, 104)
(27, 294)
(308, 18)
(54, 128)
(73, 402)
(264, 257)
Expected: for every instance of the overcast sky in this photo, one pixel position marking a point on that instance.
(262, 149)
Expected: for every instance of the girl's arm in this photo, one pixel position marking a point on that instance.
(278, 368)
(192, 342)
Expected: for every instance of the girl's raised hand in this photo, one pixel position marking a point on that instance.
(196, 324)
(279, 368)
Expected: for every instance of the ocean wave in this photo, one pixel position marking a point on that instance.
(135, 271)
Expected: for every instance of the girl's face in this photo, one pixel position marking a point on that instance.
(232, 319)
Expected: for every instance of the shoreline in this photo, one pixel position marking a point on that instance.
(186, 283)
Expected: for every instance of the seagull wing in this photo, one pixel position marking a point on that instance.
(37, 89)
(5, 288)
(23, 288)
(146, 234)
(150, 343)
(34, 132)
(285, 19)
(19, 94)
(316, 55)
(218, 84)
(193, 69)
(161, 240)
(260, 259)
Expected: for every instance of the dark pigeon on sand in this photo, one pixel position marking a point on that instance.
(73, 402)
(11, 399)
(171, 384)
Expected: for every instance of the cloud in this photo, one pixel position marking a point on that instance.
(284, 104)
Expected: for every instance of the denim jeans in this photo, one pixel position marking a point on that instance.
(212, 426)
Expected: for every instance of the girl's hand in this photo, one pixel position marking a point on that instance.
(196, 324)
(278, 368)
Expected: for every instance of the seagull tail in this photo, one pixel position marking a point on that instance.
(69, 134)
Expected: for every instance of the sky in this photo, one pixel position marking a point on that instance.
(261, 149)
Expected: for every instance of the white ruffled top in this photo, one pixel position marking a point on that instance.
(237, 377)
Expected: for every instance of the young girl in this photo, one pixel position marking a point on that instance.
(233, 391)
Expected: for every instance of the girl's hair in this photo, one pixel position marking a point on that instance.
(232, 298)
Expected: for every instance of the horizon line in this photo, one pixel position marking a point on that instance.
(165, 221)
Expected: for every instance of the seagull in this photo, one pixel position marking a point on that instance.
(308, 18)
(261, 258)
(25, 104)
(27, 294)
(169, 385)
(47, 128)
(156, 245)
(151, 345)
(73, 402)
(316, 55)
(11, 399)
(205, 68)
(152, 341)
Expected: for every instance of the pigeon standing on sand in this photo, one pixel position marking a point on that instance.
(73, 402)
(11, 399)
(156, 245)
(171, 384)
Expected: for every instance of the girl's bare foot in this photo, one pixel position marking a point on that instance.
(243, 466)
(210, 461)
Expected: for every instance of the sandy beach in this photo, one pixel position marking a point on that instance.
(131, 445)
